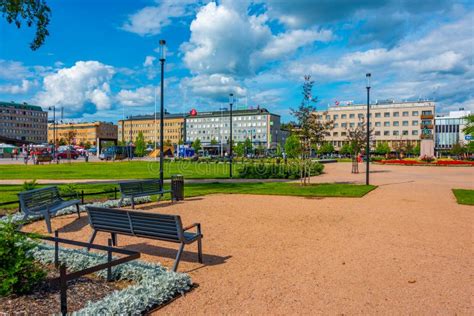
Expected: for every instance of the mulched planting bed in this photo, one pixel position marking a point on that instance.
(44, 300)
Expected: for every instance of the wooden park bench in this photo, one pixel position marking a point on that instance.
(145, 225)
(133, 189)
(44, 201)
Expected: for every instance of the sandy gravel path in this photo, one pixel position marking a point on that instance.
(405, 248)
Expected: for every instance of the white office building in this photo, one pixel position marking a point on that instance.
(449, 129)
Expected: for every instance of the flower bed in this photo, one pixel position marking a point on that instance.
(424, 163)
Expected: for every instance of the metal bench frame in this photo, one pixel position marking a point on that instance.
(145, 225)
(45, 201)
(133, 189)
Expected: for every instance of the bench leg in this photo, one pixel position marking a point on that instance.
(47, 219)
(199, 250)
(178, 257)
(91, 240)
(78, 211)
(120, 202)
(113, 236)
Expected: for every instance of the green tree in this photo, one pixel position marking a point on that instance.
(30, 12)
(293, 146)
(417, 150)
(140, 145)
(248, 147)
(458, 149)
(167, 143)
(239, 149)
(470, 147)
(469, 128)
(196, 145)
(326, 148)
(382, 148)
(214, 142)
(87, 145)
(345, 149)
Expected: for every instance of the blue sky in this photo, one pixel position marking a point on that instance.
(101, 57)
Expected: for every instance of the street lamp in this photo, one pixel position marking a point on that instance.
(367, 148)
(231, 102)
(162, 61)
(54, 129)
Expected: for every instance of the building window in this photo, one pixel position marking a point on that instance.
(335, 116)
(405, 113)
(396, 114)
(405, 133)
(351, 115)
(414, 132)
(405, 123)
(395, 123)
(335, 134)
(386, 133)
(377, 133)
(336, 125)
(427, 113)
(343, 124)
(351, 125)
(378, 115)
(343, 116)
(396, 133)
(386, 124)
(343, 133)
(386, 114)
(328, 117)
(414, 113)
(360, 115)
(414, 123)
(377, 124)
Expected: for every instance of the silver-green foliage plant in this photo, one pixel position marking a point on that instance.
(154, 284)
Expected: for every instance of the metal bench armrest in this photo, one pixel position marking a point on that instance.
(198, 225)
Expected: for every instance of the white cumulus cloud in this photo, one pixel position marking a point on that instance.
(83, 87)
(137, 97)
(22, 88)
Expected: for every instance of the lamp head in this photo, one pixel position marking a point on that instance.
(162, 50)
(367, 76)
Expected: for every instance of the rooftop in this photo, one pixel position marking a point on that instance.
(22, 106)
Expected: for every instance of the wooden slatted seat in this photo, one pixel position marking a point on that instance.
(146, 225)
(45, 201)
(133, 189)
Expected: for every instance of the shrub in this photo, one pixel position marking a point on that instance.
(29, 185)
(427, 159)
(19, 273)
(70, 189)
(278, 171)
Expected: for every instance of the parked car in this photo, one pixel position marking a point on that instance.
(67, 154)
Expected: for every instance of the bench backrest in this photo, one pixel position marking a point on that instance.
(140, 224)
(140, 187)
(39, 198)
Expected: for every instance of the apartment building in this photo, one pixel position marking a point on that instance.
(258, 125)
(449, 129)
(23, 121)
(129, 129)
(82, 133)
(392, 122)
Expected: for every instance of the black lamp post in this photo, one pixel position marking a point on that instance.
(367, 148)
(162, 115)
(54, 130)
(231, 102)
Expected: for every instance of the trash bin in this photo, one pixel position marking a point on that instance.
(177, 187)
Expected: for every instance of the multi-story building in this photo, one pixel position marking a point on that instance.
(24, 122)
(82, 133)
(392, 122)
(449, 129)
(129, 129)
(258, 125)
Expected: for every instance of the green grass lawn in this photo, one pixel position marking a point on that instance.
(8, 192)
(115, 170)
(464, 196)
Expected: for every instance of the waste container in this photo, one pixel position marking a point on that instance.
(177, 187)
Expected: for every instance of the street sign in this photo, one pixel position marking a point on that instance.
(468, 137)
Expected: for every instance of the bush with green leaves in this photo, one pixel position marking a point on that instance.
(29, 185)
(291, 170)
(19, 272)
